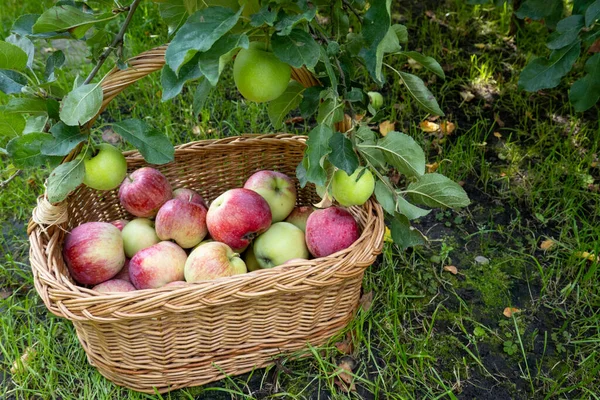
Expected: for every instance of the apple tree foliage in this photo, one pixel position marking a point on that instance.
(343, 43)
(574, 34)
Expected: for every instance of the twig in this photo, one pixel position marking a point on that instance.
(3, 184)
(116, 41)
(347, 4)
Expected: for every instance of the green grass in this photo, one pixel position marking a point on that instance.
(429, 334)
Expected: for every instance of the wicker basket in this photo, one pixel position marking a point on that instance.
(169, 338)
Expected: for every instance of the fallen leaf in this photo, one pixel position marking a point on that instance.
(427, 126)
(451, 268)
(466, 95)
(387, 236)
(21, 363)
(294, 120)
(498, 135)
(432, 167)
(500, 123)
(595, 47)
(386, 127)
(346, 346)
(480, 45)
(447, 127)
(586, 255)
(413, 64)
(461, 183)
(547, 244)
(344, 378)
(196, 130)
(5, 294)
(509, 311)
(433, 118)
(366, 301)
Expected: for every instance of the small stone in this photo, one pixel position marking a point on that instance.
(481, 260)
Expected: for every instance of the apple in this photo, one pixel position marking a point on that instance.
(120, 223)
(259, 75)
(203, 242)
(114, 285)
(213, 260)
(94, 252)
(376, 99)
(348, 191)
(250, 260)
(299, 215)
(280, 243)
(124, 272)
(189, 195)
(277, 189)
(157, 265)
(106, 169)
(144, 191)
(137, 235)
(176, 283)
(181, 221)
(330, 230)
(238, 216)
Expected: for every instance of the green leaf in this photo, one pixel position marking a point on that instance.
(211, 62)
(35, 123)
(66, 138)
(401, 32)
(376, 28)
(592, 13)
(330, 72)
(11, 81)
(364, 134)
(281, 106)
(288, 21)
(81, 104)
(24, 24)
(264, 16)
(585, 92)
(330, 112)
(435, 190)
(367, 147)
(67, 18)
(373, 57)
(201, 30)
(173, 12)
(340, 20)
(549, 10)
(24, 44)
(26, 105)
(152, 144)
(25, 150)
(200, 96)
(385, 197)
(55, 60)
(173, 83)
(297, 49)
(64, 179)
(545, 73)
(310, 101)
(568, 30)
(11, 125)
(409, 210)
(402, 152)
(342, 153)
(301, 174)
(317, 149)
(404, 235)
(428, 62)
(12, 57)
(417, 89)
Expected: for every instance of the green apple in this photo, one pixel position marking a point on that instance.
(348, 191)
(259, 75)
(277, 189)
(280, 243)
(137, 235)
(105, 170)
(250, 260)
(376, 99)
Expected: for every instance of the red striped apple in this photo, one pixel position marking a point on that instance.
(181, 221)
(330, 230)
(157, 265)
(211, 261)
(114, 285)
(137, 235)
(189, 195)
(277, 189)
(238, 216)
(144, 191)
(299, 215)
(280, 243)
(94, 252)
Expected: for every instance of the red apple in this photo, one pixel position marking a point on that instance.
(94, 252)
(157, 265)
(277, 189)
(114, 285)
(120, 223)
(238, 216)
(299, 215)
(143, 192)
(211, 261)
(189, 195)
(181, 221)
(330, 230)
(124, 272)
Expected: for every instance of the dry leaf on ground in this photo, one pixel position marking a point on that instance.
(366, 301)
(498, 135)
(428, 126)
(447, 127)
(451, 268)
(5, 294)
(466, 95)
(344, 378)
(595, 47)
(294, 120)
(547, 244)
(21, 363)
(386, 127)
(500, 123)
(586, 255)
(432, 167)
(509, 311)
(346, 346)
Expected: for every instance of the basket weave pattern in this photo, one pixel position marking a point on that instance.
(168, 338)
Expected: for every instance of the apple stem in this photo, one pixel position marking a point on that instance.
(129, 177)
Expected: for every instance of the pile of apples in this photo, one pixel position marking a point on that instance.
(177, 238)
